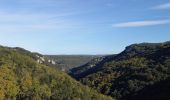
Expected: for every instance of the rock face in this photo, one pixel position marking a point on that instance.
(40, 60)
(44, 60)
(52, 62)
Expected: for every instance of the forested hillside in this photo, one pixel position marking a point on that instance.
(22, 78)
(157, 91)
(140, 67)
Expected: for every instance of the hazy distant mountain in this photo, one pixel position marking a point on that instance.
(23, 76)
(127, 74)
(67, 62)
(90, 67)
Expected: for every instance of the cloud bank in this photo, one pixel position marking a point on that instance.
(142, 23)
(162, 6)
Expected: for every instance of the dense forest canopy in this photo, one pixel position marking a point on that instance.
(127, 74)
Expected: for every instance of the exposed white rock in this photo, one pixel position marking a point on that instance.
(53, 62)
(39, 61)
(42, 58)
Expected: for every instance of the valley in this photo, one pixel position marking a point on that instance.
(67, 62)
(140, 72)
(84, 50)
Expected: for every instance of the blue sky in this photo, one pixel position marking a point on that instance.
(82, 26)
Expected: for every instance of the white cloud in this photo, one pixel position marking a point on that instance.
(142, 23)
(33, 22)
(162, 6)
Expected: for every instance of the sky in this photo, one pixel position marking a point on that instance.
(82, 26)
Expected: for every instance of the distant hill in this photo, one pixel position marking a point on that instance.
(127, 74)
(23, 76)
(67, 62)
(90, 67)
